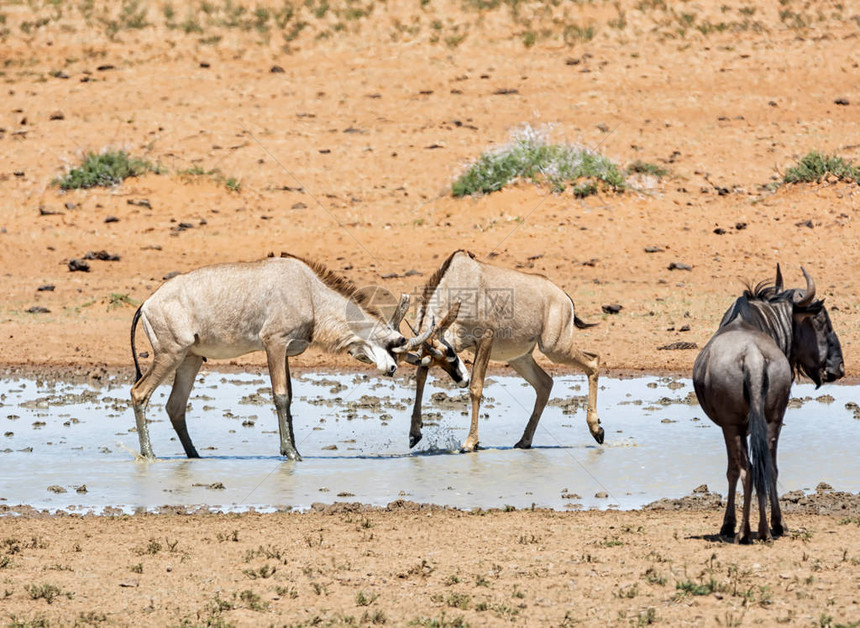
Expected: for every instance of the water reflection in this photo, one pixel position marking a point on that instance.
(353, 433)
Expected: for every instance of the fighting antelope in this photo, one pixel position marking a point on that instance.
(277, 305)
(499, 314)
(743, 378)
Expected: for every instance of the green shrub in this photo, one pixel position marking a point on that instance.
(816, 166)
(530, 156)
(104, 169)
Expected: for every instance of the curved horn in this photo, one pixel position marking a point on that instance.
(417, 341)
(802, 298)
(778, 285)
(450, 317)
(400, 312)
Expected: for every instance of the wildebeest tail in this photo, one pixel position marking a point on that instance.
(136, 318)
(761, 464)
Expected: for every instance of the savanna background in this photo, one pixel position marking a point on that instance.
(727, 133)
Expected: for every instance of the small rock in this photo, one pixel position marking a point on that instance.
(204, 64)
(105, 67)
(601, 495)
(54, 488)
(103, 256)
(299, 205)
(390, 276)
(684, 328)
(70, 205)
(57, 115)
(679, 266)
(81, 489)
(48, 287)
(276, 69)
(44, 211)
(412, 273)
(740, 226)
(78, 265)
(842, 101)
(38, 309)
(653, 249)
(506, 91)
(110, 219)
(823, 486)
(678, 346)
(330, 448)
(719, 231)
(702, 488)
(143, 202)
(804, 223)
(612, 308)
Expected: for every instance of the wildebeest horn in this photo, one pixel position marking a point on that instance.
(450, 317)
(417, 341)
(802, 298)
(778, 285)
(400, 312)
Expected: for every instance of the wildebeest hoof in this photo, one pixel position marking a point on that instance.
(414, 440)
(728, 532)
(779, 530)
(523, 445)
(744, 540)
(598, 436)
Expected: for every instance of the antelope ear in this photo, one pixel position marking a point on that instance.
(450, 317)
(778, 284)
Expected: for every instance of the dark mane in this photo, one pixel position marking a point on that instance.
(339, 284)
(435, 278)
(762, 291)
(765, 309)
(433, 282)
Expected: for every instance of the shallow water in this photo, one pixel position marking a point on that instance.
(73, 447)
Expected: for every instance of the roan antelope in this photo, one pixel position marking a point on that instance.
(277, 305)
(499, 314)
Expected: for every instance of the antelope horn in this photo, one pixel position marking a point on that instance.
(778, 285)
(417, 341)
(400, 312)
(450, 317)
(805, 297)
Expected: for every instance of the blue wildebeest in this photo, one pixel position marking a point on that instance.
(499, 314)
(743, 378)
(277, 305)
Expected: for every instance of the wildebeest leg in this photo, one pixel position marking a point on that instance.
(483, 348)
(276, 355)
(734, 447)
(744, 535)
(590, 364)
(142, 390)
(178, 401)
(776, 522)
(542, 383)
(415, 426)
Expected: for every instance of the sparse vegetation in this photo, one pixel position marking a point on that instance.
(47, 592)
(816, 167)
(105, 169)
(530, 156)
(643, 167)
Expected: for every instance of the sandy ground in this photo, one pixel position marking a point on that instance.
(344, 125)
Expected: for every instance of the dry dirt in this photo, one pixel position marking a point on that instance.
(344, 136)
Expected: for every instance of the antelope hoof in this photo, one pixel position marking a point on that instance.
(414, 439)
(292, 455)
(467, 448)
(523, 444)
(598, 435)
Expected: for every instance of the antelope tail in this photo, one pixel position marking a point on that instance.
(136, 318)
(580, 324)
(755, 389)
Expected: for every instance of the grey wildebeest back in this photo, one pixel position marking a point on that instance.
(743, 377)
(503, 315)
(277, 305)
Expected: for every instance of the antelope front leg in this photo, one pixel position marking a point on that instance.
(416, 425)
(276, 355)
(590, 363)
(476, 387)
